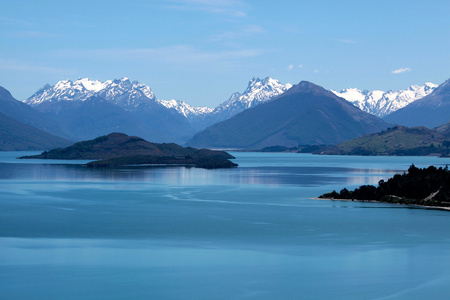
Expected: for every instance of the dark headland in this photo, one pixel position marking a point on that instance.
(119, 149)
(427, 187)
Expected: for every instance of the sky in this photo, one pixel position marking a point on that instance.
(202, 51)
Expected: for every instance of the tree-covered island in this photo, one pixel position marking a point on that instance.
(425, 187)
(118, 149)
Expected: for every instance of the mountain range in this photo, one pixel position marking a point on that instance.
(84, 109)
(134, 98)
(305, 114)
(381, 103)
(431, 111)
(258, 91)
(87, 109)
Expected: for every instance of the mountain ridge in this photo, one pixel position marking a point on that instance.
(397, 140)
(305, 114)
(17, 132)
(123, 106)
(380, 103)
(430, 111)
(132, 96)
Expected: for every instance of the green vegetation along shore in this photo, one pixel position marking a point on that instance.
(425, 187)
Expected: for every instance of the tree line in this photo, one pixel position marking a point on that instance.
(428, 186)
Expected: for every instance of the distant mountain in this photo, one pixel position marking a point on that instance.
(128, 95)
(444, 129)
(118, 149)
(398, 140)
(431, 111)
(183, 108)
(17, 136)
(92, 108)
(95, 117)
(258, 91)
(381, 103)
(27, 115)
(305, 114)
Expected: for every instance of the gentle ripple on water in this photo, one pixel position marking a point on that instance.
(69, 232)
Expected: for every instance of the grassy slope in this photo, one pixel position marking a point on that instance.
(392, 140)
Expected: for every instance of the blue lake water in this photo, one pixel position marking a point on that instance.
(253, 232)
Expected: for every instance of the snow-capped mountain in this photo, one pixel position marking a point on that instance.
(430, 111)
(382, 103)
(89, 108)
(185, 109)
(257, 92)
(128, 95)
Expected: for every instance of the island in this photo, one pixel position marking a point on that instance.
(427, 187)
(119, 149)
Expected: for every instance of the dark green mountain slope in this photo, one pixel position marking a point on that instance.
(305, 114)
(17, 136)
(430, 111)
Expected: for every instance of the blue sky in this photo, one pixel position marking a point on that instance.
(201, 51)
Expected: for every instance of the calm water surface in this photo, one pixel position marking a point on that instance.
(69, 232)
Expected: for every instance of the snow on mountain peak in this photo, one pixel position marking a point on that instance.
(185, 109)
(257, 92)
(382, 103)
(261, 90)
(122, 92)
(91, 85)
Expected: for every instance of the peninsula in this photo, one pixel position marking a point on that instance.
(428, 187)
(119, 149)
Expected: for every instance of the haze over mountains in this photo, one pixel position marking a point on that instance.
(84, 109)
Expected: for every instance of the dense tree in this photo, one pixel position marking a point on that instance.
(428, 186)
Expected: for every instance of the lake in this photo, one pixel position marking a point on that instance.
(253, 232)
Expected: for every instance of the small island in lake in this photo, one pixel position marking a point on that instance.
(119, 149)
(425, 187)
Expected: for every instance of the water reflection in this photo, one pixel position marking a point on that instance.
(271, 169)
(69, 232)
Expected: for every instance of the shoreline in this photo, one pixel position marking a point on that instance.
(377, 201)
